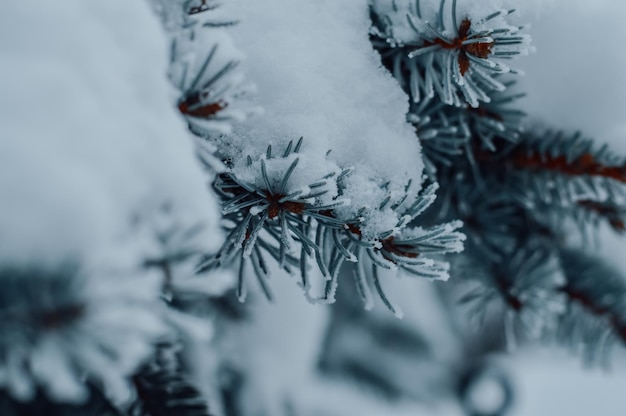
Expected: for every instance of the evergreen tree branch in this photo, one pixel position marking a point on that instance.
(613, 214)
(459, 70)
(596, 295)
(164, 390)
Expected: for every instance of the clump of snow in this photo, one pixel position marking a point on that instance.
(319, 78)
(90, 141)
(364, 205)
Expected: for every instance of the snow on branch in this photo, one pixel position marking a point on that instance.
(412, 249)
(262, 196)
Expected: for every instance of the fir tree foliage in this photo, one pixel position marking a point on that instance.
(297, 226)
(445, 132)
(272, 206)
(510, 187)
(503, 193)
(526, 288)
(595, 318)
(164, 390)
(531, 211)
(212, 87)
(415, 250)
(61, 324)
(516, 189)
(563, 169)
(275, 207)
(449, 55)
(208, 85)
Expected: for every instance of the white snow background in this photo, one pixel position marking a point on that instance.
(89, 138)
(90, 143)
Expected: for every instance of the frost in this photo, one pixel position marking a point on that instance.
(454, 51)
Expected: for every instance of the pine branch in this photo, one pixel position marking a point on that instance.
(44, 306)
(611, 213)
(513, 190)
(203, 97)
(271, 217)
(495, 120)
(555, 170)
(164, 390)
(178, 244)
(595, 307)
(297, 226)
(448, 134)
(571, 164)
(414, 250)
(443, 132)
(458, 70)
(211, 85)
(524, 290)
(596, 295)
